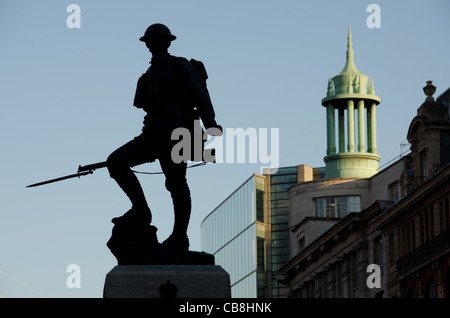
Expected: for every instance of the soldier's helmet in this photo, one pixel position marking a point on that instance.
(157, 30)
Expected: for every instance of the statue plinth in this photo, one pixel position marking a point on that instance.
(146, 270)
(167, 281)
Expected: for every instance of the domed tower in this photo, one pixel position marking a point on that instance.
(350, 94)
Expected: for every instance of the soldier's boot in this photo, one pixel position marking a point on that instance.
(178, 240)
(134, 216)
(176, 243)
(140, 212)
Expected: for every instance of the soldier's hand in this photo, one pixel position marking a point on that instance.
(144, 129)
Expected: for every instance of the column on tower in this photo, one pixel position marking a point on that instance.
(341, 125)
(369, 131)
(331, 130)
(371, 128)
(361, 127)
(351, 125)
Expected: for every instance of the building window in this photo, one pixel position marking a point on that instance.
(338, 276)
(337, 207)
(430, 292)
(325, 284)
(423, 163)
(354, 274)
(427, 225)
(260, 206)
(301, 244)
(261, 267)
(408, 237)
(447, 283)
(393, 191)
(444, 215)
(261, 254)
(391, 249)
(447, 213)
(378, 251)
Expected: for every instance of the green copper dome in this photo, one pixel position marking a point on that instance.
(350, 80)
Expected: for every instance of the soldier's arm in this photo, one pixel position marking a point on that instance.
(139, 98)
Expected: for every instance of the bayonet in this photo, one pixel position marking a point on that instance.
(82, 171)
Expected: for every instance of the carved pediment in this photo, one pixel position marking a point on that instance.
(416, 129)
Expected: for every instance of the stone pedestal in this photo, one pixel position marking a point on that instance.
(167, 281)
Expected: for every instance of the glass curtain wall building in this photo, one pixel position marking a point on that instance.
(279, 224)
(248, 233)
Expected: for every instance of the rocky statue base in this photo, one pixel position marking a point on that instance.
(145, 270)
(138, 245)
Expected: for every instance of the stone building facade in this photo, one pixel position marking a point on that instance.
(398, 243)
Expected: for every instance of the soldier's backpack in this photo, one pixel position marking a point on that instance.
(200, 68)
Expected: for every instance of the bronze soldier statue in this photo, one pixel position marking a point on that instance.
(173, 93)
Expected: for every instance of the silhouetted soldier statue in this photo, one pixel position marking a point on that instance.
(172, 92)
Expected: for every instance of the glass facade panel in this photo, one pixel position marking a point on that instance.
(283, 179)
(230, 233)
(238, 257)
(230, 218)
(260, 199)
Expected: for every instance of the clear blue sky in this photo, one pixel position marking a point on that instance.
(66, 99)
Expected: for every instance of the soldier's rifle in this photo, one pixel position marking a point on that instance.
(89, 169)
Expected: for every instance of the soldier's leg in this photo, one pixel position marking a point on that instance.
(119, 162)
(177, 185)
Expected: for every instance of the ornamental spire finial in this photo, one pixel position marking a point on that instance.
(349, 43)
